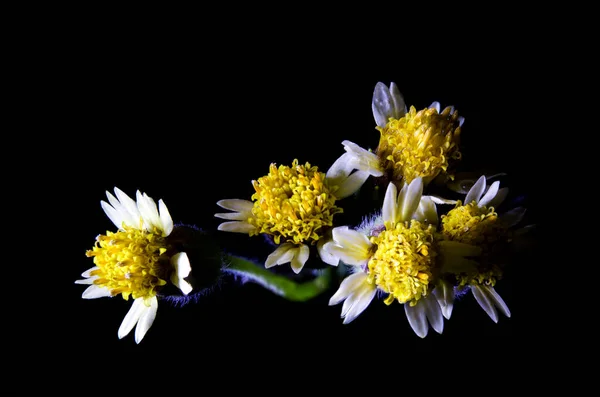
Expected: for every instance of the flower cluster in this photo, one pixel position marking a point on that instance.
(421, 250)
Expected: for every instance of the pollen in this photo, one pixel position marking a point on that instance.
(130, 262)
(420, 144)
(293, 203)
(403, 264)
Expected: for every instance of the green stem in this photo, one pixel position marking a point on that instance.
(278, 284)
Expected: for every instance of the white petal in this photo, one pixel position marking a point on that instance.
(131, 318)
(351, 184)
(433, 313)
(348, 286)
(363, 159)
(360, 302)
(87, 281)
(500, 197)
(182, 269)
(349, 302)
(490, 194)
(435, 105)
(346, 237)
(389, 209)
(165, 218)
(148, 210)
(115, 216)
(409, 199)
(485, 302)
(283, 254)
(382, 104)
(236, 205)
(513, 217)
(476, 191)
(441, 200)
(88, 272)
(129, 204)
(300, 257)
(233, 216)
(496, 299)
(236, 227)
(398, 101)
(146, 320)
(417, 319)
(444, 293)
(324, 254)
(126, 216)
(427, 211)
(350, 256)
(94, 292)
(340, 169)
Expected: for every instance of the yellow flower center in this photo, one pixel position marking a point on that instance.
(470, 223)
(478, 226)
(131, 262)
(420, 144)
(403, 263)
(293, 202)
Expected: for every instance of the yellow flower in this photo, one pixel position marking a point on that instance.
(476, 222)
(137, 260)
(413, 144)
(295, 205)
(402, 258)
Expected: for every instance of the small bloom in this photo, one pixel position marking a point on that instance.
(413, 144)
(476, 222)
(400, 256)
(136, 261)
(295, 206)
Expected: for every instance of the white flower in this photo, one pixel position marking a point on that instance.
(276, 212)
(465, 223)
(397, 260)
(141, 224)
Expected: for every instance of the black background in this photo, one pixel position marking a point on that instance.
(191, 115)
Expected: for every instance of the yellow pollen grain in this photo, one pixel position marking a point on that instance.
(130, 262)
(420, 144)
(403, 263)
(293, 203)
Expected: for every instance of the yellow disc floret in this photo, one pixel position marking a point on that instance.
(130, 262)
(293, 203)
(478, 226)
(470, 223)
(420, 144)
(403, 263)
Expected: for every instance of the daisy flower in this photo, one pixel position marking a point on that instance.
(399, 255)
(413, 144)
(476, 222)
(137, 260)
(295, 206)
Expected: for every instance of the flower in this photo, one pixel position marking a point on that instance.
(137, 260)
(476, 222)
(295, 205)
(412, 144)
(399, 255)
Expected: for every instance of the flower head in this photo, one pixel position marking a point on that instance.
(295, 206)
(136, 261)
(402, 260)
(477, 222)
(413, 144)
